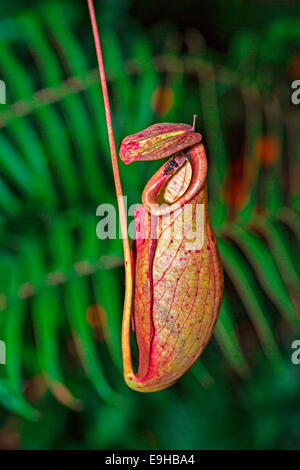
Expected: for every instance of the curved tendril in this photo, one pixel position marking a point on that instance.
(123, 222)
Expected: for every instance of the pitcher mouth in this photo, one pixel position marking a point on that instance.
(162, 179)
(179, 170)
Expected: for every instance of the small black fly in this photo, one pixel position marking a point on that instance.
(170, 167)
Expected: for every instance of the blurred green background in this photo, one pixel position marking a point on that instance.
(61, 289)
